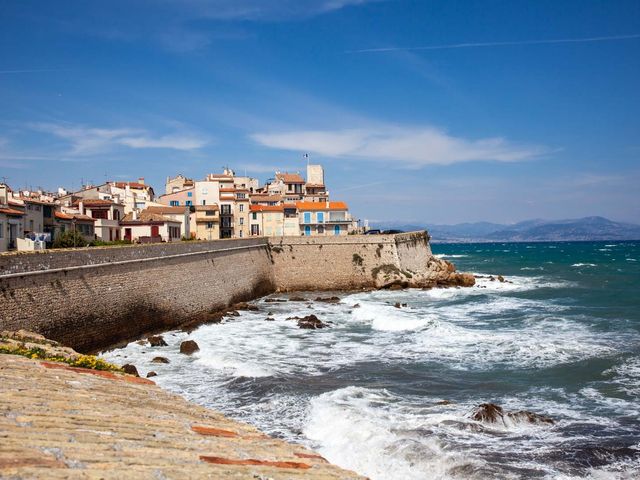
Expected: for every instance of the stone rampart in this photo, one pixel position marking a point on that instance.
(93, 298)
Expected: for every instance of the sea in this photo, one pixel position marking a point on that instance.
(390, 392)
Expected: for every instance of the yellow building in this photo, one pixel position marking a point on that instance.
(207, 220)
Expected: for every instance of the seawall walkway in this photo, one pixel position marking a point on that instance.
(59, 422)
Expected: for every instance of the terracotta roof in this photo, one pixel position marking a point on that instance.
(36, 201)
(165, 210)
(204, 208)
(94, 202)
(322, 206)
(131, 185)
(315, 185)
(231, 189)
(266, 208)
(11, 211)
(289, 205)
(290, 177)
(147, 217)
(263, 197)
(72, 216)
(11, 201)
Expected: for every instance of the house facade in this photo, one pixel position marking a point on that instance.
(323, 218)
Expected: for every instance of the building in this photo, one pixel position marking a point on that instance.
(134, 195)
(107, 215)
(315, 190)
(179, 199)
(274, 220)
(324, 218)
(149, 227)
(178, 183)
(207, 222)
(179, 214)
(65, 221)
(291, 186)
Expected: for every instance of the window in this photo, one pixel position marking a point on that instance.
(307, 217)
(188, 203)
(307, 230)
(174, 203)
(240, 233)
(209, 225)
(241, 221)
(1, 230)
(320, 216)
(241, 207)
(204, 202)
(336, 230)
(226, 209)
(254, 215)
(241, 196)
(209, 213)
(189, 194)
(320, 230)
(255, 229)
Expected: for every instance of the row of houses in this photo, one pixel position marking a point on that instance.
(219, 206)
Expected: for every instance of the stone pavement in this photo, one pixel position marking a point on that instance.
(61, 422)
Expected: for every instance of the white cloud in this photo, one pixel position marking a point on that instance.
(90, 141)
(414, 146)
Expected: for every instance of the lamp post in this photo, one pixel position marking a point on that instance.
(74, 231)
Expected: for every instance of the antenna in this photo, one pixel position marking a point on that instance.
(4, 180)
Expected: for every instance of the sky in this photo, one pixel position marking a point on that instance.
(419, 110)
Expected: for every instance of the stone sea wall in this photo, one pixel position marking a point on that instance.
(93, 298)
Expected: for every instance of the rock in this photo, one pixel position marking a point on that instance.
(328, 299)
(160, 360)
(274, 300)
(357, 305)
(130, 370)
(530, 417)
(444, 402)
(488, 413)
(396, 286)
(500, 278)
(492, 413)
(152, 374)
(157, 341)
(397, 305)
(188, 347)
(233, 313)
(492, 279)
(311, 322)
(269, 319)
(297, 299)
(245, 306)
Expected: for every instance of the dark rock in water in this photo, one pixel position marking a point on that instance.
(245, 306)
(157, 341)
(130, 369)
(274, 300)
(396, 286)
(297, 299)
(489, 413)
(397, 305)
(492, 279)
(294, 318)
(233, 313)
(357, 305)
(492, 413)
(269, 319)
(444, 402)
(500, 278)
(188, 347)
(328, 299)
(311, 322)
(530, 417)
(160, 360)
(152, 374)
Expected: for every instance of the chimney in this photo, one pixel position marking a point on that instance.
(134, 213)
(81, 207)
(141, 180)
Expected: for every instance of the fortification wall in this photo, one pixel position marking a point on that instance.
(92, 298)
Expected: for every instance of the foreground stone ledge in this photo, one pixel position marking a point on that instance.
(67, 423)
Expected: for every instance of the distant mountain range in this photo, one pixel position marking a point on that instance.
(580, 229)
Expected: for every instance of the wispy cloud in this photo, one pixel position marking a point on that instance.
(33, 70)
(412, 147)
(85, 140)
(499, 44)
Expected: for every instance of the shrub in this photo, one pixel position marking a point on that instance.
(70, 239)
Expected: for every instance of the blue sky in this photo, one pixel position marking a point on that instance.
(428, 111)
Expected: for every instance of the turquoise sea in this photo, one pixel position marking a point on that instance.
(389, 392)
